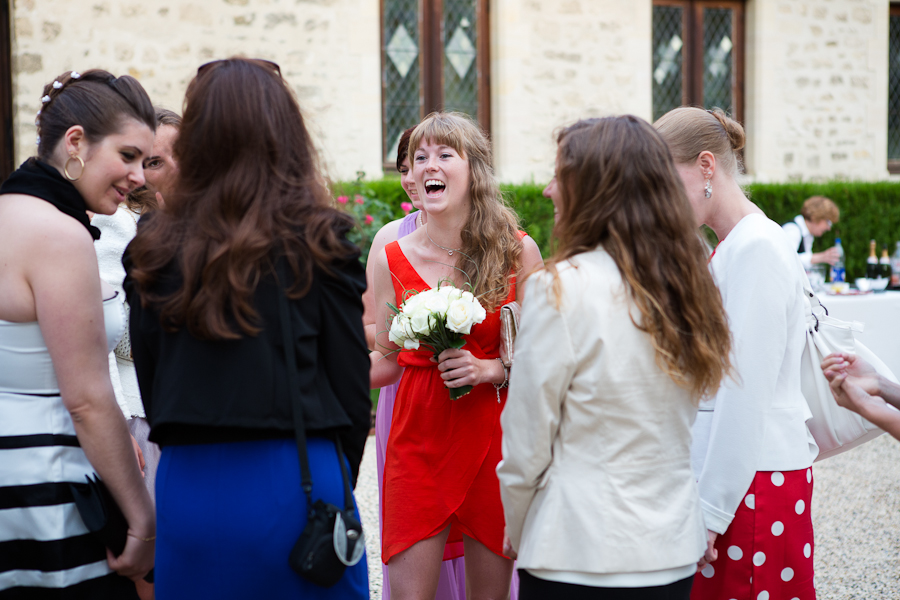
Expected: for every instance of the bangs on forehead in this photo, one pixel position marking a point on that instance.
(438, 130)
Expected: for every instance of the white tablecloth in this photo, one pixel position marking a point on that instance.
(881, 315)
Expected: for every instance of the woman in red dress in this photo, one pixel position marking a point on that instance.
(440, 483)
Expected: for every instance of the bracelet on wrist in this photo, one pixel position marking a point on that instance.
(505, 384)
(143, 539)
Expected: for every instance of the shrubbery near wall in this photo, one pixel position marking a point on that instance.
(868, 211)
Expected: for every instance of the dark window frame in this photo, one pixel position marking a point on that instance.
(431, 47)
(893, 164)
(692, 64)
(7, 137)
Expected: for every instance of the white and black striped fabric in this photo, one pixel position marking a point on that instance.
(45, 549)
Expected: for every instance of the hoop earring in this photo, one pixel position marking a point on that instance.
(66, 168)
(707, 189)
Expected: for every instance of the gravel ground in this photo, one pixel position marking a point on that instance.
(856, 514)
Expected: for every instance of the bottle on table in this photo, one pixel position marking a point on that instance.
(872, 262)
(895, 267)
(884, 264)
(837, 269)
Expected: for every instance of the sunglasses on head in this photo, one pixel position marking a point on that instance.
(259, 61)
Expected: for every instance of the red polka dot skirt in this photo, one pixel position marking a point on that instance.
(767, 552)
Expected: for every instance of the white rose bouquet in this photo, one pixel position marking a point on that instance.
(437, 319)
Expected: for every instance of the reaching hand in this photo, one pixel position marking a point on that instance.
(853, 397)
(507, 546)
(711, 553)
(139, 455)
(829, 256)
(858, 371)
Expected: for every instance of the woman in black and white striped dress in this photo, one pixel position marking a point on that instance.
(58, 417)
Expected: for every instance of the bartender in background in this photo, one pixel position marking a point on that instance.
(817, 216)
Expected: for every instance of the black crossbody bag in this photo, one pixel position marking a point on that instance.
(333, 538)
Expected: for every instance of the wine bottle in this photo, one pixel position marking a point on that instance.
(837, 269)
(884, 264)
(895, 267)
(872, 262)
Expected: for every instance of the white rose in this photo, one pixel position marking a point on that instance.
(421, 321)
(411, 304)
(462, 315)
(399, 332)
(437, 304)
(450, 293)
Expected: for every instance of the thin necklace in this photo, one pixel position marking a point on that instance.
(449, 251)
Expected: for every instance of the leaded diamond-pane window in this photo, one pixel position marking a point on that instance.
(460, 71)
(698, 55)
(401, 71)
(894, 90)
(717, 60)
(667, 58)
(434, 58)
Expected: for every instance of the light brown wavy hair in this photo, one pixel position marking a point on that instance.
(248, 192)
(491, 249)
(620, 190)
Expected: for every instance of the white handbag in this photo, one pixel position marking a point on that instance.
(834, 428)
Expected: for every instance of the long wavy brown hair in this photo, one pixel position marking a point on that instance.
(248, 191)
(491, 249)
(620, 189)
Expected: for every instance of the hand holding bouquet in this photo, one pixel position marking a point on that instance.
(437, 319)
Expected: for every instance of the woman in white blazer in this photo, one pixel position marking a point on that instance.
(620, 336)
(752, 450)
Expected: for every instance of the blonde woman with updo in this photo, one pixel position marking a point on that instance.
(752, 451)
(439, 479)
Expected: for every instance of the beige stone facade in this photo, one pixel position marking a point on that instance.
(554, 62)
(815, 76)
(817, 97)
(327, 49)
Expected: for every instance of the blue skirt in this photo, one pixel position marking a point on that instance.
(228, 516)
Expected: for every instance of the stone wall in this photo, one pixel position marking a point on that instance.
(328, 51)
(815, 81)
(816, 89)
(553, 62)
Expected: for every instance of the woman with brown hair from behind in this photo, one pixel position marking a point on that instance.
(752, 451)
(204, 288)
(621, 336)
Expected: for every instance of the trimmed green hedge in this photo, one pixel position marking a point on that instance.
(868, 210)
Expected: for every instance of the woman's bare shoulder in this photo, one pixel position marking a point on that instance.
(37, 227)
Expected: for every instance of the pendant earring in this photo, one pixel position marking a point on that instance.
(66, 168)
(707, 189)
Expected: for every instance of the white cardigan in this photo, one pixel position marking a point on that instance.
(116, 231)
(596, 475)
(757, 423)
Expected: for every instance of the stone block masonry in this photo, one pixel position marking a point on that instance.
(328, 51)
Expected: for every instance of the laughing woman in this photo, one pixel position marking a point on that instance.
(439, 479)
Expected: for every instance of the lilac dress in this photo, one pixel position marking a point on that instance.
(452, 584)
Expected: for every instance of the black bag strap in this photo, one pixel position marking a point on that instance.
(297, 406)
